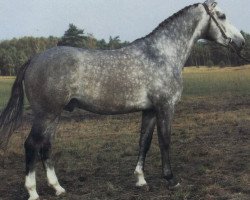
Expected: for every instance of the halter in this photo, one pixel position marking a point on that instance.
(231, 42)
(217, 23)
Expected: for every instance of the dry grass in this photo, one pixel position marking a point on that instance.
(96, 155)
(204, 69)
(205, 81)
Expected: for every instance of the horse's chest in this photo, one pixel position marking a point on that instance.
(167, 90)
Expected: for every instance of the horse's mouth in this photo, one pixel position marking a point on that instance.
(234, 46)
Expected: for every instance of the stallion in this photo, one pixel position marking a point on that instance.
(146, 76)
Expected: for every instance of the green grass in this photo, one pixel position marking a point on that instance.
(5, 88)
(215, 81)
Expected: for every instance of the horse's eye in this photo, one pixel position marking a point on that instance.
(222, 16)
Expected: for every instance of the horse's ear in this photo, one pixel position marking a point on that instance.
(214, 4)
(211, 4)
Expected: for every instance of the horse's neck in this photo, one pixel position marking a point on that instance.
(174, 41)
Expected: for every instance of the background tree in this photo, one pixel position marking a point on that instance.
(101, 44)
(91, 42)
(15, 52)
(246, 50)
(114, 43)
(73, 37)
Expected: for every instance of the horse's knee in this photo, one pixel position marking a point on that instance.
(46, 156)
(30, 154)
(45, 150)
(29, 146)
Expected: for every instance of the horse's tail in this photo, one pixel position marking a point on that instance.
(12, 113)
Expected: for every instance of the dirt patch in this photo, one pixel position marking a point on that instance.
(96, 155)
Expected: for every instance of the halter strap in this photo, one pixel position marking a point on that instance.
(216, 22)
(231, 42)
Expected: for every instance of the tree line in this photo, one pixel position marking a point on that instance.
(211, 54)
(14, 52)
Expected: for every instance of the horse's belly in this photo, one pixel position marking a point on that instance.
(112, 103)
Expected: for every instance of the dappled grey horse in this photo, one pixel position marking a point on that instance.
(144, 76)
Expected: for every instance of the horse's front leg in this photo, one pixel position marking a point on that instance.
(164, 116)
(147, 129)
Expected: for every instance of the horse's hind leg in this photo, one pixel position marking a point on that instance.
(38, 145)
(147, 129)
(32, 146)
(48, 162)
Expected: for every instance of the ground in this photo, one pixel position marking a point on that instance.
(210, 155)
(96, 155)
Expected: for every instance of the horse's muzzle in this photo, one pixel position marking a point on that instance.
(237, 46)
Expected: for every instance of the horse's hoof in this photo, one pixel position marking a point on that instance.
(34, 198)
(144, 187)
(178, 185)
(141, 183)
(173, 184)
(60, 192)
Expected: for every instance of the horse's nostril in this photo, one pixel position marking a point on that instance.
(243, 43)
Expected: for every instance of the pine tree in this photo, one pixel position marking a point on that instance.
(73, 37)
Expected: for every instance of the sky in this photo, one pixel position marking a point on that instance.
(129, 19)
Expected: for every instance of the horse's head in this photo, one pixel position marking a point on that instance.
(220, 29)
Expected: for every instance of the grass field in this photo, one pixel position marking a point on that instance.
(5, 88)
(214, 81)
(96, 155)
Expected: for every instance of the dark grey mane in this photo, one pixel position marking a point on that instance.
(164, 23)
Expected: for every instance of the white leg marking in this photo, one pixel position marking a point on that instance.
(30, 184)
(53, 181)
(140, 176)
